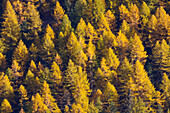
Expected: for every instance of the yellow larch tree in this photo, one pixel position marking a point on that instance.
(145, 13)
(125, 28)
(33, 50)
(160, 58)
(91, 33)
(58, 13)
(110, 95)
(33, 67)
(111, 19)
(76, 80)
(48, 49)
(3, 63)
(122, 42)
(50, 32)
(137, 49)
(11, 28)
(56, 74)
(102, 25)
(165, 87)
(48, 99)
(76, 51)
(21, 55)
(7, 90)
(144, 88)
(6, 107)
(109, 39)
(81, 29)
(112, 59)
(22, 95)
(32, 83)
(38, 105)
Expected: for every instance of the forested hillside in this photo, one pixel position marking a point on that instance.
(84, 56)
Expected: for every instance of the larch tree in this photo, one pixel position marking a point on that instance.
(110, 19)
(58, 13)
(145, 13)
(48, 99)
(76, 51)
(160, 58)
(76, 80)
(32, 83)
(165, 87)
(110, 95)
(137, 49)
(22, 96)
(48, 49)
(122, 42)
(56, 76)
(21, 55)
(80, 9)
(38, 105)
(91, 33)
(144, 88)
(3, 63)
(33, 67)
(125, 28)
(50, 32)
(125, 72)
(11, 28)
(112, 60)
(81, 29)
(33, 23)
(98, 9)
(66, 27)
(33, 51)
(109, 39)
(102, 25)
(7, 90)
(6, 107)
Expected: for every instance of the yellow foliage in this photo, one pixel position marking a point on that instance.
(6, 107)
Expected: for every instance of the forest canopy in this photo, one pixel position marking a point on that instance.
(84, 56)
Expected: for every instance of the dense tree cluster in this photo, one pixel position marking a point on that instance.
(84, 56)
